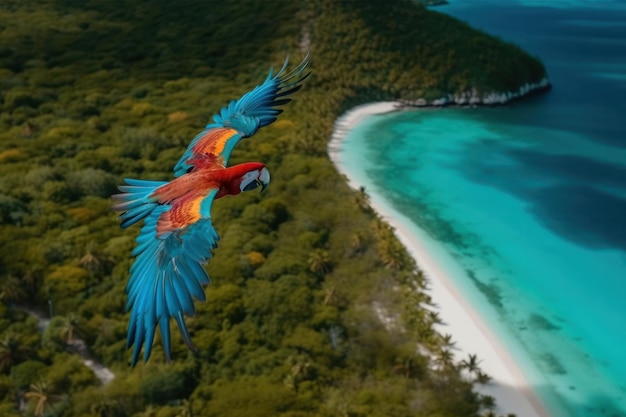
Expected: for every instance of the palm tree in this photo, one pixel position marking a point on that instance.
(471, 364)
(357, 242)
(40, 394)
(434, 317)
(482, 378)
(319, 262)
(391, 252)
(91, 263)
(420, 279)
(10, 289)
(444, 359)
(446, 341)
(68, 328)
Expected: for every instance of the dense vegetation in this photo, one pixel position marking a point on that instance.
(94, 91)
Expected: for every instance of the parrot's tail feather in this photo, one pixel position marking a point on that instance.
(135, 200)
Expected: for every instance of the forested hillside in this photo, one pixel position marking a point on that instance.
(95, 91)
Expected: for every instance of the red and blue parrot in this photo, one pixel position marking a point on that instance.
(177, 235)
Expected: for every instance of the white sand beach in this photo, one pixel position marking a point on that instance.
(469, 331)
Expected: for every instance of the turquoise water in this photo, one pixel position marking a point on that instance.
(530, 199)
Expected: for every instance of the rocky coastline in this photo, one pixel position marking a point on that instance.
(434, 2)
(474, 98)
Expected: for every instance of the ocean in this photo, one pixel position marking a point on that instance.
(528, 200)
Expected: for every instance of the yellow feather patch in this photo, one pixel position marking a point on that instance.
(181, 215)
(214, 141)
(186, 213)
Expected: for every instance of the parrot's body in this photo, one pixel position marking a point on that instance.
(177, 236)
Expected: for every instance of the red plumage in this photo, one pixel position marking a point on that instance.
(185, 193)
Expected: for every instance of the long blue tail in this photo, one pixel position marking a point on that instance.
(135, 200)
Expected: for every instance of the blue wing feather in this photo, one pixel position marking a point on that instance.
(255, 109)
(165, 279)
(164, 326)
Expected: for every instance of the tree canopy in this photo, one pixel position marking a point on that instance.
(95, 91)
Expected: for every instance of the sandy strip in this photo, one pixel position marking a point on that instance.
(470, 333)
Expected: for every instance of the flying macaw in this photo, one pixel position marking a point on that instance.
(177, 236)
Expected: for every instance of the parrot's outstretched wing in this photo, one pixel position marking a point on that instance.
(174, 244)
(242, 118)
(177, 236)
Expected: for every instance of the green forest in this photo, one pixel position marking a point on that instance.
(94, 91)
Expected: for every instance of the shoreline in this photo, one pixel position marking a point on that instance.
(470, 333)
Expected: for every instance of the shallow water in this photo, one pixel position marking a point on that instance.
(530, 199)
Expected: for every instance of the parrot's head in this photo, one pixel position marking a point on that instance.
(253, 179)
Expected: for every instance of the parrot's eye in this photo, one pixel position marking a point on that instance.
(252, 185)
